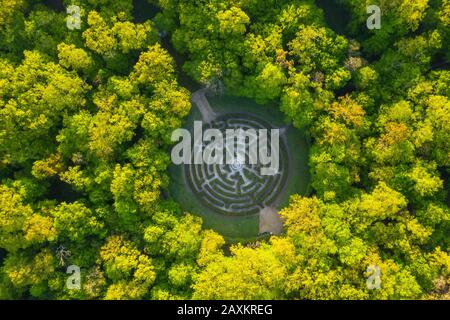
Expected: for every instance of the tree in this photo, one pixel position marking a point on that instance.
(35, 96)
(20, 227)
(130, 271)
(399, 17)
(9, 8)
(30, 273)
(86, 117)
(76, 222)
(153, 67)
(121, 37)
(71, 57)
(247, 274)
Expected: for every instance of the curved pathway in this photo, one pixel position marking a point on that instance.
(269, 219)
(199, 99)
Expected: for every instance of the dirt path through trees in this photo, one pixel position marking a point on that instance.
(199, 99)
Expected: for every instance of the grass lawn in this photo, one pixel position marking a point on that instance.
(243, 228)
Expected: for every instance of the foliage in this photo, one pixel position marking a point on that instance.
(86, 117)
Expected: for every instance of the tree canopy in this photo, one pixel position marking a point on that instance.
(86, 117)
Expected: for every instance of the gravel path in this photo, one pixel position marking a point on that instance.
(269, 218)
(199, 99)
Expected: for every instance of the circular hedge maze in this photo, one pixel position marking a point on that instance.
(239, 188)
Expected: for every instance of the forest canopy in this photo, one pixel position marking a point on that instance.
(86, 116)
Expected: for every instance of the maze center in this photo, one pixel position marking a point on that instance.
(238, 188)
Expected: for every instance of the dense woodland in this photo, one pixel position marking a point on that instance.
(85, 123)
